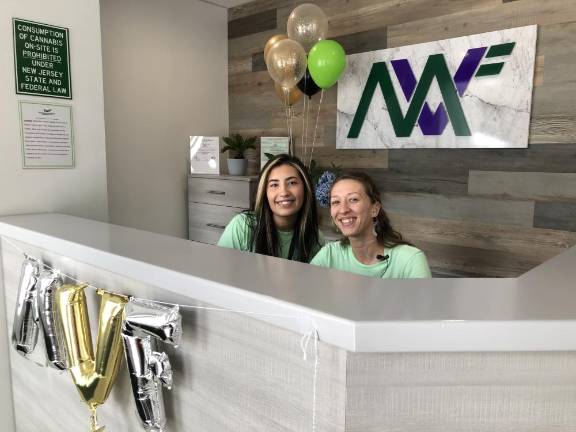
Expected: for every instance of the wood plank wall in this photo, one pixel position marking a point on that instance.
(475, 212)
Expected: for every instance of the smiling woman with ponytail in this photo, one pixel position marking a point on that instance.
(284, 220)
(370, 246)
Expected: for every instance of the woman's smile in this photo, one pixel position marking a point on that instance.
(285, 193)
(352, 210)
(285, 202)
(347, 222)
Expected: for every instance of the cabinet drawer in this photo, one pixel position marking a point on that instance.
(231, 193)
(203, 236)
(206, 222)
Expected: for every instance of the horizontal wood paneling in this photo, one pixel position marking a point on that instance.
(239, 65)
(438, 182)
(481, 217)
(351, 16)
(559, 158)
(258, 63)
(528, 185)
(555, 215)
(250, 44)
(507, 212)
(541, 244)
(370, 40)
(553, 128)
(466, 21)
(256, 23)
(482, 262)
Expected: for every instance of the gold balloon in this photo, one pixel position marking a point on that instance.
(286, 62)
(307, 24)
(93, 376)
(289, 96)
(271, 42)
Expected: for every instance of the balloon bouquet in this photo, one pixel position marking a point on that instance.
(295, 73)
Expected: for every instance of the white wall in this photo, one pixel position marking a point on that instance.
(165, 78)
(80, 191)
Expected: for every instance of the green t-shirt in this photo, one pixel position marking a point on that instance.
(404, 262)
(236, 236)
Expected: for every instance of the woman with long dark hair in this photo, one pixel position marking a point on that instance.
(370, 246)
(284, 220)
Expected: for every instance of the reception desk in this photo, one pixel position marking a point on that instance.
(394, 355)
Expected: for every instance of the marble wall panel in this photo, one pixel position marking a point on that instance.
(496, 107)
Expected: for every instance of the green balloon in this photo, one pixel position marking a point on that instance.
(326, 62)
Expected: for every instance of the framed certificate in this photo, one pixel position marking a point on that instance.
(204, 155)
(47, 135)
(273, 146)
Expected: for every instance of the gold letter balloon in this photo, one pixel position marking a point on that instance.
(92, 375)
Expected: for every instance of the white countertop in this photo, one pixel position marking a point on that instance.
(536, 312)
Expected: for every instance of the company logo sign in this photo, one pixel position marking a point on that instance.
(399, 106)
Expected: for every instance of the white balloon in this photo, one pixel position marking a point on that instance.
(307, 24)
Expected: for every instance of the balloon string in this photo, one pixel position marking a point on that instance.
(307, 124)
(290, 144)
(304, 341)
(287, 114)
(315, 128)
(303, 121)
(43, 264)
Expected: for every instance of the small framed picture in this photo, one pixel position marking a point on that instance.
(204, 154)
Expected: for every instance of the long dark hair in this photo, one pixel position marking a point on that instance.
(263, 235)
(385, 234)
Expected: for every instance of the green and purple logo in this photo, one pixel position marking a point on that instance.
(452, 88)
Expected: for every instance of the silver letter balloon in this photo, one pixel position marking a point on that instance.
(25, 328)
(49, 319)
(35, 312)
(145, 323)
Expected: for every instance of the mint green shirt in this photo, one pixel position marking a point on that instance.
(236, 236)
(404, 262)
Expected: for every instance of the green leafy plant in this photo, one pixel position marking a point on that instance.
(237, 145)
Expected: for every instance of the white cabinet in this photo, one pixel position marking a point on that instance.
(213, 200)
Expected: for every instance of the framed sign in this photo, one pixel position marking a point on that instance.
(204, 154)
(467, 92)
(273, 146)
(41, 59)
(47, 139)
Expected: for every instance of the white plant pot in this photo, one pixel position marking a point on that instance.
(237, 166)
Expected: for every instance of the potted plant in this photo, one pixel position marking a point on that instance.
(236, 145)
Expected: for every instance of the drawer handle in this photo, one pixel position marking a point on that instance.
(215, 192)
(211, 225)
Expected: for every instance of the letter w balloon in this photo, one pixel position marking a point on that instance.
(93, 376)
